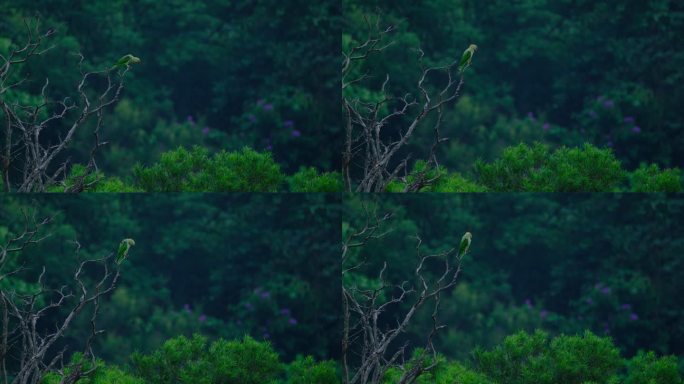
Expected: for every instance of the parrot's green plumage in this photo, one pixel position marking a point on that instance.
(124, 247)
(467, 57)
(126, 60)
(465, 244)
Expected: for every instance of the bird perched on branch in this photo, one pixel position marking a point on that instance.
(467, 57)
(124, 247)
(465, 244)
(126, 61)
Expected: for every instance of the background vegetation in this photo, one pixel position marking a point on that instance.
(562, 73)
(220, 266)
(562, 263)
(220, 75)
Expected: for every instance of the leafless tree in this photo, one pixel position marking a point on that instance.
(370, 343)
(377, 132)
(27, 155)
(25, 339)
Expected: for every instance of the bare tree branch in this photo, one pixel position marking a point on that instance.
(369, 344)
(27, 341)
(377, 132)
(25, 153)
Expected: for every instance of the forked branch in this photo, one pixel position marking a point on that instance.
(377, 133)
(370, 339)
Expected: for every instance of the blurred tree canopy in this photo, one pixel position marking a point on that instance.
(563, 263)
(565, 72)
(218, 265)
(218, 74)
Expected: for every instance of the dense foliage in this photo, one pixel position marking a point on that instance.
(561, 263)
(223, 266)
(525, 358)
(535, 168)
(198, 171)
(563, 73)
(221, 75)
(183, 360)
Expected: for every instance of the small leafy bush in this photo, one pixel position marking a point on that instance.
(649, 178)
(525, 168)
(444, 373)
(197, 171)
(93, 182)
(307, 179)
(305, 370)
(533, 358)
(646, 368)
(246, 361)
(101, 375)
(443, 181)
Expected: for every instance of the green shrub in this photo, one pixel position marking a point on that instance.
(455, 372)
(166, 364)
(94, 182)
(649, 178)
(646, 368)
(307, 179)
(441, 180)
(101, 375)
(530, 358)
(183, 360)
(196, 171)
(305, 370)
(525, 168)
(194, 360)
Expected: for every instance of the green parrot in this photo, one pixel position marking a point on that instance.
(467, 58)
(127, 60)
(124, 247)
(465, 244)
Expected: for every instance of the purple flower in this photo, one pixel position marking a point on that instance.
(593, 114)
(265, 295)
(268, 107)
(633, 316)
(589, 300)
(609, 144)
(530, 115)
(202, 318)
(186, 307)
(269, 147)
(292, 321)
(605, 290)
(251, 118)
(205, 130)
(296, 133)
(636, 129)
(629, 119)
(249, 306)
(546, 126)
(626, 306)
(543, 314)
(288, 123)
(285, 311)
(528, 303)
(191, 120)
(608, 104)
